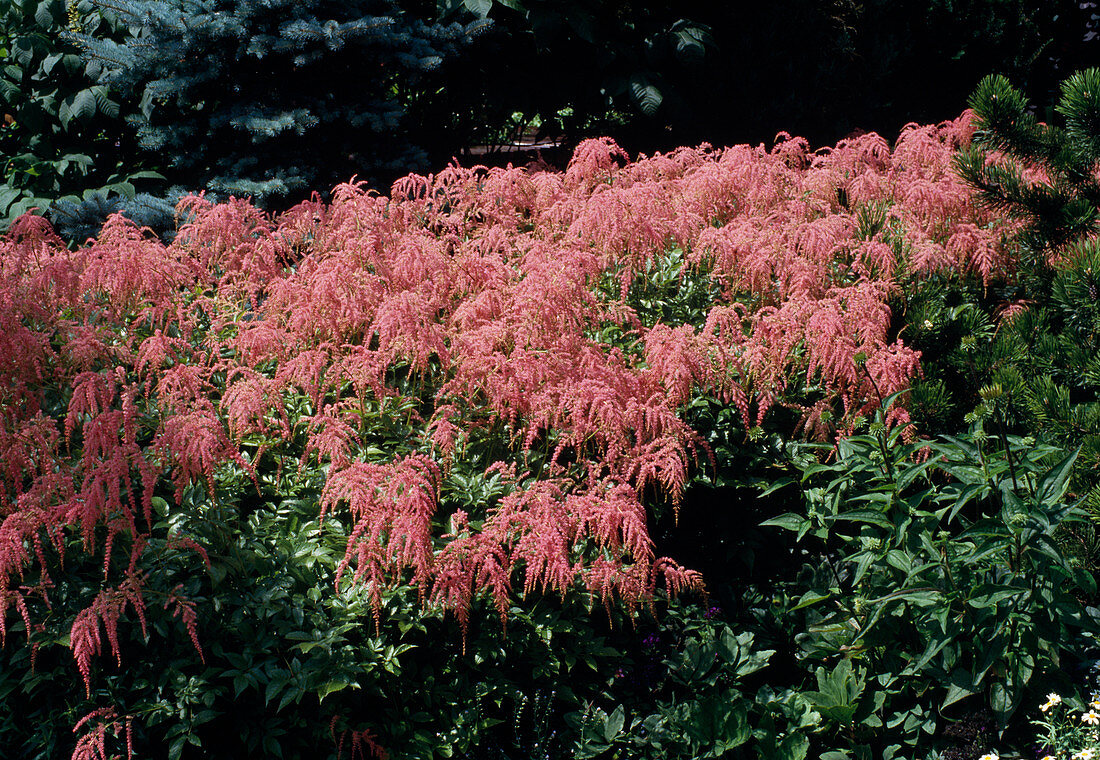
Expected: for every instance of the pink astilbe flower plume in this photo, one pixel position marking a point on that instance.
(101, 723)
(490, 315)
(105, 611)
(391, 507)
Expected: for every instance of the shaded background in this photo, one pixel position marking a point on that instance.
(127, 105)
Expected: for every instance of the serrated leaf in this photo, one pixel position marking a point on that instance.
(329, 688)
(103, 102)
(479, 8)
(645, 94)
(82, 104)
(44, 17)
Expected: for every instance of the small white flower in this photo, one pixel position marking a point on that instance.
(1085, 754)
(1048, 757)
(927, 325)
(1052, 700)
(1092, 718)
(989, 756)
(1095, 704)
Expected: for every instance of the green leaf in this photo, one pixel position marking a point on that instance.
(330, 687)
(912, 473)
(964, 498)
(9, 91)
(25, 204)
(960, 686)
(646, 95)
(479, 8)
(144, 175)
(51, 61)
(80, 105)
(871, 516)
(792, 747)
(103, 102)
(44, 16)
(8, 195)
(810, 598)
(22, 50)
(614, 725)
(920, 596)
(790, 521)
(1053, 484)
(719, 722)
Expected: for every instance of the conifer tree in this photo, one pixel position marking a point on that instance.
(1063, 205)
(1044, 363)
(274, 99)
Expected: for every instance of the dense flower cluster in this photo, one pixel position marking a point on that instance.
(474, 299)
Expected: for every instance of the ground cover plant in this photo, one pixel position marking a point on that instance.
(262, 480)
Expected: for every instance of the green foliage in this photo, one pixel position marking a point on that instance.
(61, 134)
(1022, 351)
(1061, 206)
(345, 74)
(939, 578)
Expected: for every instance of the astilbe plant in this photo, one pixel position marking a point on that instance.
(472, 301)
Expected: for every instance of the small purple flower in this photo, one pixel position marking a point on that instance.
(713, 611)
(651, 641)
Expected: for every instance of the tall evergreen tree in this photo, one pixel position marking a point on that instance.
(274, 98)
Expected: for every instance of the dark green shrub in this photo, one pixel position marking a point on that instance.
(937, 586)
(62, 135)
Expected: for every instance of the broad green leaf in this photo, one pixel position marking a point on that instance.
(83, 104)
(144, 175)
(646, 95)
(1053, 484)
(44, 17)
(810, 598)
(103, 102)
(479, 8)
(22, 50)
(9, 91)
(614, 725)
(8, 195)
(790, 521)
(960, 685)
(51, 61)
(330, 687)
